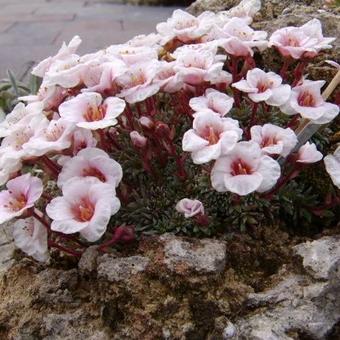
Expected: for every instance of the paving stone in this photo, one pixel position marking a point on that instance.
(4, 26)
(25, 7)
(36, 18)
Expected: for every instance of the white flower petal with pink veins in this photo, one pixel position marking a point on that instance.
(82, 139)
(239, 39)
(273, 139)
(189, 207)
(91, 162)
(185, 27)
(137, 83)
(100, 77)
(8, 166)
(31, 237)
(245, 170)
(262, 86)
(55, 137)
(304, 41)
(200, 65)
(64, 53)
(214, 101)
(167, 78)
(88, 111)
(332, 164)
(308, 153)
(85, 207)
(306, 99)
(49, 96)
(210, 137)
(22, 134)
(245, 10)
(146, 40)
(19, 114)
(22, 193)
(133, 54)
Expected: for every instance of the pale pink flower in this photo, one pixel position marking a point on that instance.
(200, 65)
(13, 146)
(91, 162)
(273, 139)
(238, 39)
(137, 139)
(82, 139)
(8, 166)
(306, 100)
(210, 137)
(66, 73)
(245, 170)
(143, 40)
(101, 75)
(185, 27)
(137, 83)
(21, 194)
(19, 114)
(332, 164)
(89, 111)
(55, 137)
(189, 207)
(261, 86)
(64, 53)
(85, 207)
(167, 78)
(31, 237)
(245, 10)
(133, 54)
(213, 101)
(304, 41)
(308, 153)
(50, 97)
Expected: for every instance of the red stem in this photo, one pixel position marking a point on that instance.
(64, 249)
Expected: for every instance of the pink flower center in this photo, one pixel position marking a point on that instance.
(211, 135)
(239, 167)
(84, 210)
(306, 99)
(268, 140)
(262, 86)
(94, 113)
(93, 172)
(138, 79)
(291, 41)
(16, 203)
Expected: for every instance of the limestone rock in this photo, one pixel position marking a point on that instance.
(202, 256)
(320, 257)
(120, 269)
(298, 304)
(88, 261)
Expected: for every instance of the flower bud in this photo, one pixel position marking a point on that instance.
(138, 140)
(146, 122)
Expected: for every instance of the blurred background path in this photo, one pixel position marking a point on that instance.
(31, 30)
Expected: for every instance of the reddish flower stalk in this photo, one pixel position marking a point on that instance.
(129, 115)
(284, 69)
(298, 72)
(125, 234)
(53, 167)
(64, 249)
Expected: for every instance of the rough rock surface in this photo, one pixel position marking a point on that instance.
(176, 288)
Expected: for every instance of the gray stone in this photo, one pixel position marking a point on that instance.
(299, 303)
(120, 269)
(202, 256)
(88, 261)
(320, 256)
